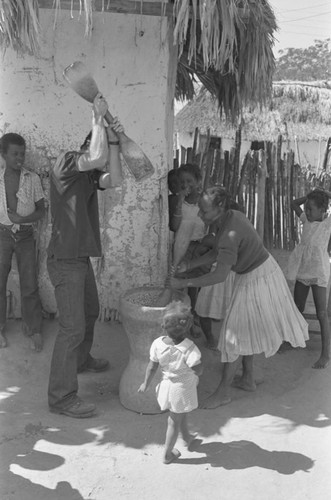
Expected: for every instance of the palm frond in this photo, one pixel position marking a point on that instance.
(225, 44)
(19, 25)
(229, 49)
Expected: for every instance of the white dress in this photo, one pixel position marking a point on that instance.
(309, 262)
(213, 300)
(177, 390)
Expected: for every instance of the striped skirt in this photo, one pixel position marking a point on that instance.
(213, 300)
(261, 315)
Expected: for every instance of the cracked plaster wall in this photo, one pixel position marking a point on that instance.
(132, 60)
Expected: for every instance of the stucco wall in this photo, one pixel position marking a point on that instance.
(131, 58)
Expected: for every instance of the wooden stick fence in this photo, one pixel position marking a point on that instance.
(264, 184)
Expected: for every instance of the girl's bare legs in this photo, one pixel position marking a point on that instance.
(3, 338)
(222, 394)
(185, 432)
(174, 425)
(319, 295)
(300, 298)
(300, 295)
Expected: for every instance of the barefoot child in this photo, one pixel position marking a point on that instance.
(309, 262)
(179, 359)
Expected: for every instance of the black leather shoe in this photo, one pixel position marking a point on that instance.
(94, 365)
(78, 409)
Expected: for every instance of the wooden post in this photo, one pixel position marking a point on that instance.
(195, 143)
(189, 155)
(203, 158)
(254, 186)
(208, 168)
(220, 176)
(290, 198)
(243, 180)
(261, 184)
(182, 155)
(326, 154)
(217, 166)
(176, 159)
(283, 186)
(236, 162)
(268, 221)
(226, 176)
(279, 192)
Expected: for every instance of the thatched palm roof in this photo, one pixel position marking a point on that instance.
(225, 44)
(301, 109)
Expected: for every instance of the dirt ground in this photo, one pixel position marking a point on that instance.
(271, 444)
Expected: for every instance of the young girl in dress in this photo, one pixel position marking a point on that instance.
(191, 228)
(179, 359)
(309, 263)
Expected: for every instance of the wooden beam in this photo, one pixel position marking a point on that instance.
(116, 6)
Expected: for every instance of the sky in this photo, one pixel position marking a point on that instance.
(301, 22)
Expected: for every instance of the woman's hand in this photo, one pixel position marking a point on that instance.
(114, 128)
(181, 268)
(100, 106)
(177, 283)
(14, 217)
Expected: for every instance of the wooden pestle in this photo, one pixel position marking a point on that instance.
(166, 295)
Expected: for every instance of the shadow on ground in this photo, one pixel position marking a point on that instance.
(35, 443)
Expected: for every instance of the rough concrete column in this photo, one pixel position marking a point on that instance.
(133, 60)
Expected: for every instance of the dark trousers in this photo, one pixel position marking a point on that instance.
(78, 307)
(21, 243)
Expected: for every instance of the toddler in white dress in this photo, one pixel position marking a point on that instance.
(180, 362)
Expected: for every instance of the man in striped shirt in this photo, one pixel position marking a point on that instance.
(21, 204)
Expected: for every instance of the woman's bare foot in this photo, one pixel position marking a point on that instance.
(240, 382)
(36, 342)
(244, 384)
(3, 340)
(322, 362)
(214, 401)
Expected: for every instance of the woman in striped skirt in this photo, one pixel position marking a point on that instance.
(262, 313)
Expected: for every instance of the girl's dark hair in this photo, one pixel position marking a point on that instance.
(320, 198)
(11, 138)
(218, 196)
(190, 168)
(173, 181)
(177, 315)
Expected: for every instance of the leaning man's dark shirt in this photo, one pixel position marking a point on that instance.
(74, 210)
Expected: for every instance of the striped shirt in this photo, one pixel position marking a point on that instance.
(29, 192)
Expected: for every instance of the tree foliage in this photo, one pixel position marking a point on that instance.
(312, 63)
